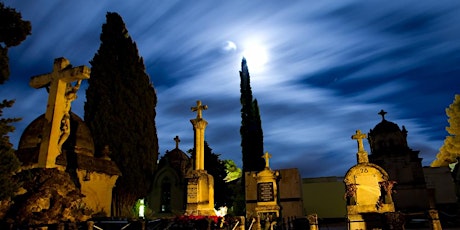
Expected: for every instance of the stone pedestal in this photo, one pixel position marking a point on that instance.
(200, 194)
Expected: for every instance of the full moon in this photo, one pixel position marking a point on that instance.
(256, 56)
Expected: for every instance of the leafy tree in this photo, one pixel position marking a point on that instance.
(450, 150)
(120, 111)
(13, 30)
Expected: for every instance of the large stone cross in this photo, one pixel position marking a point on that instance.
(267, 157)
(199, 109)
(61, 94)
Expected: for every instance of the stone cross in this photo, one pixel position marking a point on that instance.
(177, 140)
(199, 125)
(359, 137)
(199, 109)
(362, 154)
(61, 94)
(382, 113)
(267, 157)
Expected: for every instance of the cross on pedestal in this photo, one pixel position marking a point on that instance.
(199, 125)
(359, 137)
(199, 109)
(61, 93)
(177, 140)
(267, 157)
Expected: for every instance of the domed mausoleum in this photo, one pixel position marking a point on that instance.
(390, 151)
(93, 173)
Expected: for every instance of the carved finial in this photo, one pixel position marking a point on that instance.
(267, 157)
(359, 137)
(199, 109)
(382, 113)
(177, 140)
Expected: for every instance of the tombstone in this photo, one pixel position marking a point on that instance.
(61, 94)
(200, 184)
(267, 208)
(368, 191)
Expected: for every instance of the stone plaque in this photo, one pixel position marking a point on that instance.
(192, 192)
(265, 192)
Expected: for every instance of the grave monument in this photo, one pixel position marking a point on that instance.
(368, 191)
(200, 184)
(267, 209)
(58, 147)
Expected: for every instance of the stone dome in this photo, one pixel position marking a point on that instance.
(387, 137)
(80, 139)
(386, 127)
(177, 159)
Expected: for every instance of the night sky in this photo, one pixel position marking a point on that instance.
(320, 70)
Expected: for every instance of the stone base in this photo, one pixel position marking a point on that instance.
(200, 194)
(356, 222)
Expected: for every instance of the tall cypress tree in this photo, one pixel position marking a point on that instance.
(120, 111)
(252, 142)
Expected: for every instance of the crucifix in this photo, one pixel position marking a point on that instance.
(61, 93)
(199, 125)
(267, 157)
(177, 140)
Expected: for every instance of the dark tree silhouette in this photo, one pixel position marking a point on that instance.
(252, 140)
(13, 30)
(120, 111)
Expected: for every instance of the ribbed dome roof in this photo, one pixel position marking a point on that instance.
(80, 137)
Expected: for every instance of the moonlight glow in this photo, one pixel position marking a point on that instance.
(256, 56)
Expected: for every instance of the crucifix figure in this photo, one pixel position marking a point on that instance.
(61, 93)
(199, 109)
(177, 140)
(267, 157)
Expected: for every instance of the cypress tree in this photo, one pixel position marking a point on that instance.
(251, 126)
(252, 143)
(13, 30)
(120, 111)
